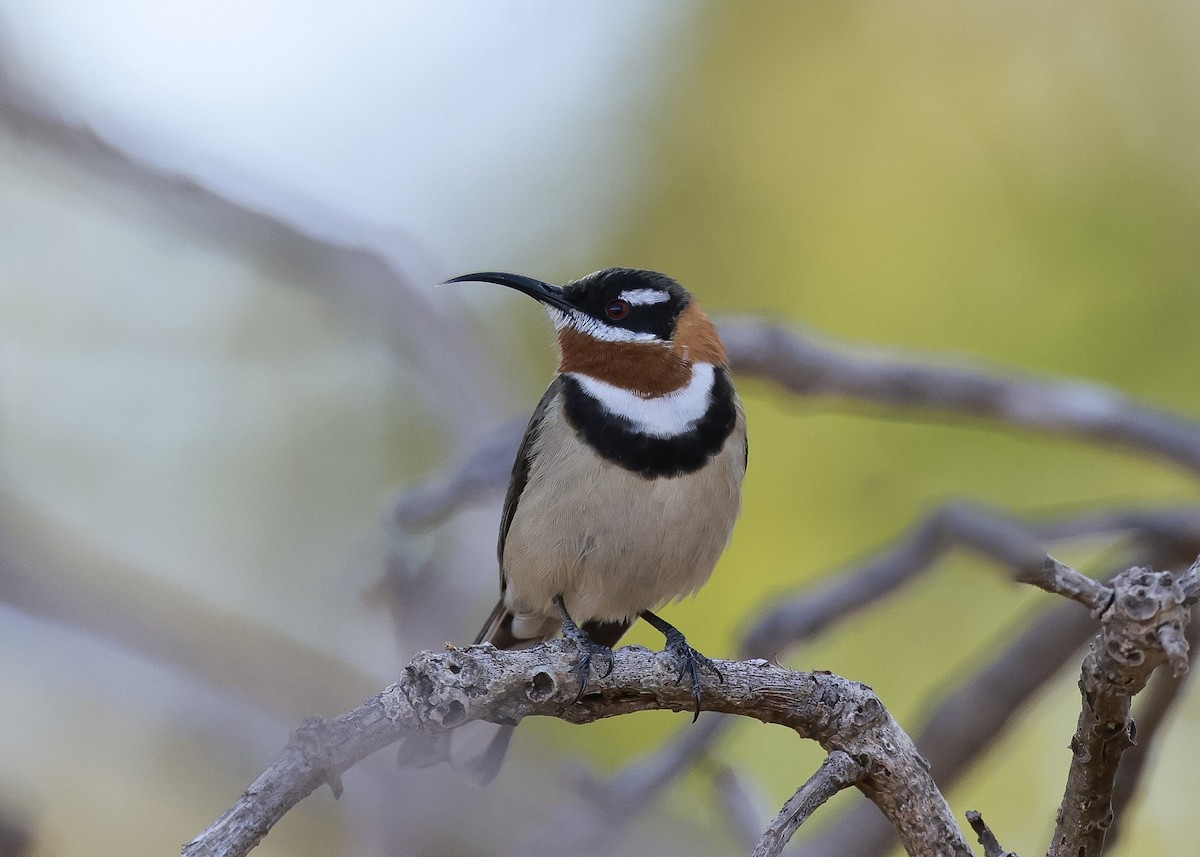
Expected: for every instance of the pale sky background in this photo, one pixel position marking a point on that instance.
(487, 132)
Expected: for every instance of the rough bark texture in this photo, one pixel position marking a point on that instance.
(442, 691)
(1141, 629)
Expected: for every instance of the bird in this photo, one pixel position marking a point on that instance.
(628, 480)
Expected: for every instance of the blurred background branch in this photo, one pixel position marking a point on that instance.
(74, 584)
(224, 370)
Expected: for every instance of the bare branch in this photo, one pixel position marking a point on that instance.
(807, 366)
(991, 846)
(1131, 644)
(325, 252)
(442, 691)
(991, 534)
(1176, 529)
(481, 473)
(1153, 708)
(1061, 580)
(974, 715)
(971, 718)
(968, 721)
(16, 837)
(837, 772)
(58, 576)
(629, 791)
(633, 790)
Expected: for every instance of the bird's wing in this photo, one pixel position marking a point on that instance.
(498, 628)
(520, 470)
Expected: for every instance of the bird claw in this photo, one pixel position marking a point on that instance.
(689, 662)
(587, 650)
(583, 664)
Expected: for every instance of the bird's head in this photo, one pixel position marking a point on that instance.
(636, 329)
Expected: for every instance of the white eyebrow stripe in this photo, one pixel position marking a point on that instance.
(585, 324)
(644, 297)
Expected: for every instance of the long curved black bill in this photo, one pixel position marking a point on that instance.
(547, 293)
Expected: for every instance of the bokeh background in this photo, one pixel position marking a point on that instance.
(222, 356)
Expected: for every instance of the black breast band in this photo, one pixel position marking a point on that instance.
(615, 438)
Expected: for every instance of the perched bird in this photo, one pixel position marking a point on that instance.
(628, 480)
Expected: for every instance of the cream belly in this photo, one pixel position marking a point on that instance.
(611, 542)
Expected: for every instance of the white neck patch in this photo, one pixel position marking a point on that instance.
(668, 415)
(585, 324)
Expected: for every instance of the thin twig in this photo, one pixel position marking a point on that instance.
(601, 809)
(631, 789)
(1176, 529)
(991, 845)
(55, 575)
(836, 773)
(481, 473)
(990, 533)
(1059, 579)
(326, 252)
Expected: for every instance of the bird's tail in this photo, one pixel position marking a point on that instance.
(498, 630)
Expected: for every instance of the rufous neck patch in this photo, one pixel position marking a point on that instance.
(647, 368)
(697, 337)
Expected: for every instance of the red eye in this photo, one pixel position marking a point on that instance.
(617, 310)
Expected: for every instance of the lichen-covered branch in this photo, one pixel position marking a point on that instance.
(968, 721)
(970, 718)
(991, 845)
(1153, 708)
(442, 691)
(1142, 629)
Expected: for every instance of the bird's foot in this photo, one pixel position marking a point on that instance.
(588, 649)
(688, 661)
